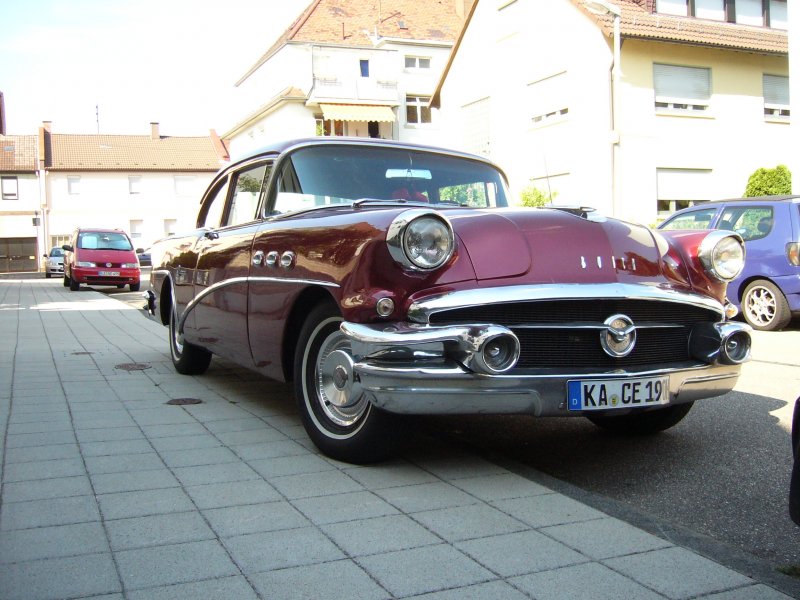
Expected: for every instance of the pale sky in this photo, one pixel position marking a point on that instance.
(170, 61)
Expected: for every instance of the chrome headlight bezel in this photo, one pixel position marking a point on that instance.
(85, 264)
(404, 233)
(722, 254)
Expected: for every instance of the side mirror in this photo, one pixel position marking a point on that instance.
(67, 247)
(139, 250)
(44, 255)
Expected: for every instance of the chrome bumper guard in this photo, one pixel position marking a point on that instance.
(464, 369)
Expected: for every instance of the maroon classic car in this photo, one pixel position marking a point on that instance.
(385, 278)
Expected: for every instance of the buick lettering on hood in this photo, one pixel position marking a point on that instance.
(383, 279)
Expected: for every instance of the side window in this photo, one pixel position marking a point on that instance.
(696, 219)
(211, 211)
(752, 222)
(246, 194)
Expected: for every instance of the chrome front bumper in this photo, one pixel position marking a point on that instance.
(422, 369)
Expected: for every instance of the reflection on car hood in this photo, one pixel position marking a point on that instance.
(553, 246)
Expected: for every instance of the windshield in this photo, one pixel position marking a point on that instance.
(56, 252)
(322, 175)
(93, 240)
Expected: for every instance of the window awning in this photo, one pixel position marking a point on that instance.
(357, 112)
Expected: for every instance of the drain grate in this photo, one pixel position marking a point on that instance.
(132, 366)
(183, 401)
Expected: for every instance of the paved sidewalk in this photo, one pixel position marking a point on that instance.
(109, 492)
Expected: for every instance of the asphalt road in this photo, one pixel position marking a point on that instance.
(723, 472)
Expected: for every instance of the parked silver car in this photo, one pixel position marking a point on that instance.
(54, 263)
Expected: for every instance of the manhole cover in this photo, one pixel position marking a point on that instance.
(182, 401)
(132, 366)
(84, 353)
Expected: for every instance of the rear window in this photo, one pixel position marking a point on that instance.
(94, 240)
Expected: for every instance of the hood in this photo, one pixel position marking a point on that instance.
(554, 246)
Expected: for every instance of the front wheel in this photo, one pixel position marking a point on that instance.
(764, 306)
(336, 414)
(47, 274)
(644, 422)
(187, 358)
(74, 285)
(134, 286)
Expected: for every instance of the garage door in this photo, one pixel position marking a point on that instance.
(17, 255)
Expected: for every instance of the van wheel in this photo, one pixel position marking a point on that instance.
(338, 418)
(187, 358)
(764, 306)
(643, 422)
(134, 287)
(74, 285)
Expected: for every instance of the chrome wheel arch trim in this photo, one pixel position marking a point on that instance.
(239, 280)
(421, 310)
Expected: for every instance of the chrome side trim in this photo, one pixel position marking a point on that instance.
(421, 311)
(236, 281)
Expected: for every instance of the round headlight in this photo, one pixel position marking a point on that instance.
(722, 255)
(421, 240)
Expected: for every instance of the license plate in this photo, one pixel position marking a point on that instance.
(610, 394)
(109, 273)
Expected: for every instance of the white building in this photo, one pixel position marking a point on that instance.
(636, 108)
(350, 67)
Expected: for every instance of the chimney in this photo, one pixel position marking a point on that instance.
(154, 133)
(47, 126)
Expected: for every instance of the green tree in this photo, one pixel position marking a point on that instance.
(769, 182)
(533, 196)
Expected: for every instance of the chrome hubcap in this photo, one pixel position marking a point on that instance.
(338, 392)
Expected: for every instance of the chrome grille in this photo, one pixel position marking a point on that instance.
(557, 343)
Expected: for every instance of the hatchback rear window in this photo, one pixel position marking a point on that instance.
(750, 222)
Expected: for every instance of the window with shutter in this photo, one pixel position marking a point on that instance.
(776, 98)
(681, 90)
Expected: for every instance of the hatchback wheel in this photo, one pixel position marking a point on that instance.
(74, 285)
(764, 306)
(338, 418)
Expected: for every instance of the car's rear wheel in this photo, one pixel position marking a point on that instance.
(134, 286)
(643, 422)
(338, 418)
(765, 307)
(74, 285)
(187, 358)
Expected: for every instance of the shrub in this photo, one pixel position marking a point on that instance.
(533, 196)
(769, 182)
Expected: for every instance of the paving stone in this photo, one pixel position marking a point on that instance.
(39, 427)
(225, 588)
(290, 465)
(198, 457)
(125, 505)
(678, 573)
(750, 592)
(426, 496)
(494, 590)
(52, 511)
(265, 433)
(466, 522)
(114, 434)
(500, 487)
(240, 493)
(573, 583)
(307, 485)
(394, 474)
(426, 569)
(344, 507)
(242, 423)
(178, 563)
(157, 530)
(206, 474)
(184, 442)
(253, 452)
(548, 509)
(36, 453)
(519, 553)
(116, 447)
(57, 578)
(44, 469)
(339, 579)
(459, 466)
(52, 542)
(24, 440)
(254, 518)
(43, 489)
(379, 535)
(605, 538)
(109, 483)
(260, 552)
(124, 463)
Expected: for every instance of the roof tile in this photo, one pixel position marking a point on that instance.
(18, 153)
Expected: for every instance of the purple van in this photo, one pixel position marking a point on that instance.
(767, 291)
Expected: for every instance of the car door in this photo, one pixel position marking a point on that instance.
(223, 261)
